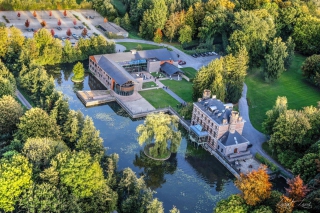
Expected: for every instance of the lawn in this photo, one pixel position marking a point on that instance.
(182, 88)
(262, 96)
(189, 72)
(159, 98)
(148, 85)
(133, 45)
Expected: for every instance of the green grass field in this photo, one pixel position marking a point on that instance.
(262, 96)
(189, 72)
(182, 88)
(159, 98)
(148, 85)
(133, 45)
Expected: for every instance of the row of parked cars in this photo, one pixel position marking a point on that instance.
(196, 55)
(75, 37)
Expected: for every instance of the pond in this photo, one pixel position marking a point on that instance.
(192, 180)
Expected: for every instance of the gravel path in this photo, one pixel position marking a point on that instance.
(23, 100)
(254, 136)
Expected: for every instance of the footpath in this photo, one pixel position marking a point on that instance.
(23, 100)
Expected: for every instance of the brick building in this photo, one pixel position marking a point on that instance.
(216, 127)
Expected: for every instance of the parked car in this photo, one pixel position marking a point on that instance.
(76, 27)
(80, 27)
(92, 17)
(29, 30)
(182, 62)
(59, 28)
(56, 36)
(63, 38)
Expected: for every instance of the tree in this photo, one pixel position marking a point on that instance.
(185, 34)
(69, 32)
(160, 128)
(65, 13)
(297, 190)
(18, 15)
(52, 32)
(37, 123)
(74, 21)
(125, 22)
(50, 13)
(189, 20)
(6, 88)
(153, 18)
(306, 34)
(15, 177)
(290, 50)
(233, 203)
(172, 26)
(306, 167)
(273, 114)
(34, 14)
(105, 20)
(174, 210)
(59, 22)
(285, 205)
(4, 37)
(90, 140)
(155, 206)
(78, 72)
(255, 186)
(43, 23)
(252, 31)
(274, 60)
(262, 209)
(157, 36)
(72, 127)
(80, 173)
(134, 196)
(10, 112)
(27, 23)
(289, 131)
(311, 69)
(84, 32)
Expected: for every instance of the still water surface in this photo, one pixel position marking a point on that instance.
(192, 180)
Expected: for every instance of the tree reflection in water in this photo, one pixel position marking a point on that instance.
(154, 170)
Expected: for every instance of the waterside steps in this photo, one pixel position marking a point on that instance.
(95, 97)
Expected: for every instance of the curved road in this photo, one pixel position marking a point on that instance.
(254, 136)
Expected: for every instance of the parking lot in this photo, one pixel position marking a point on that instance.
(67, 22)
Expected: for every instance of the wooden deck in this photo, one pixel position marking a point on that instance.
(95, 97)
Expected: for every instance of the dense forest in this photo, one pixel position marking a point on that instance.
(52, 158)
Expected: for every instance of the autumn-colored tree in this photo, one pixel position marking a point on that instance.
(65, 13)
(34, 14)
(18, 15)
(297, 190)
(75, 21)
(43, 23)
(255, 186)
(158, 36)
(59, 22)
(285, 205)
(84, 32)
(27, 23)
(105, 20)
(52, 32)
(69, 32)
(50, 13)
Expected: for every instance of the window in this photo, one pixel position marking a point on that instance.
(221, 150)
(218, 147)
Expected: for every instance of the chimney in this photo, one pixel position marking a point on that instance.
(206, 94)
(133, 52)
(214, 96)
(233, 121)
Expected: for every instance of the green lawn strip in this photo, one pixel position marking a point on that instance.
(148, 85)
(181, 88)
(189, 72)
(119, 6)
(268, 150)
(265, 161)
(159, 98)
(262, 96)
(133, 45)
